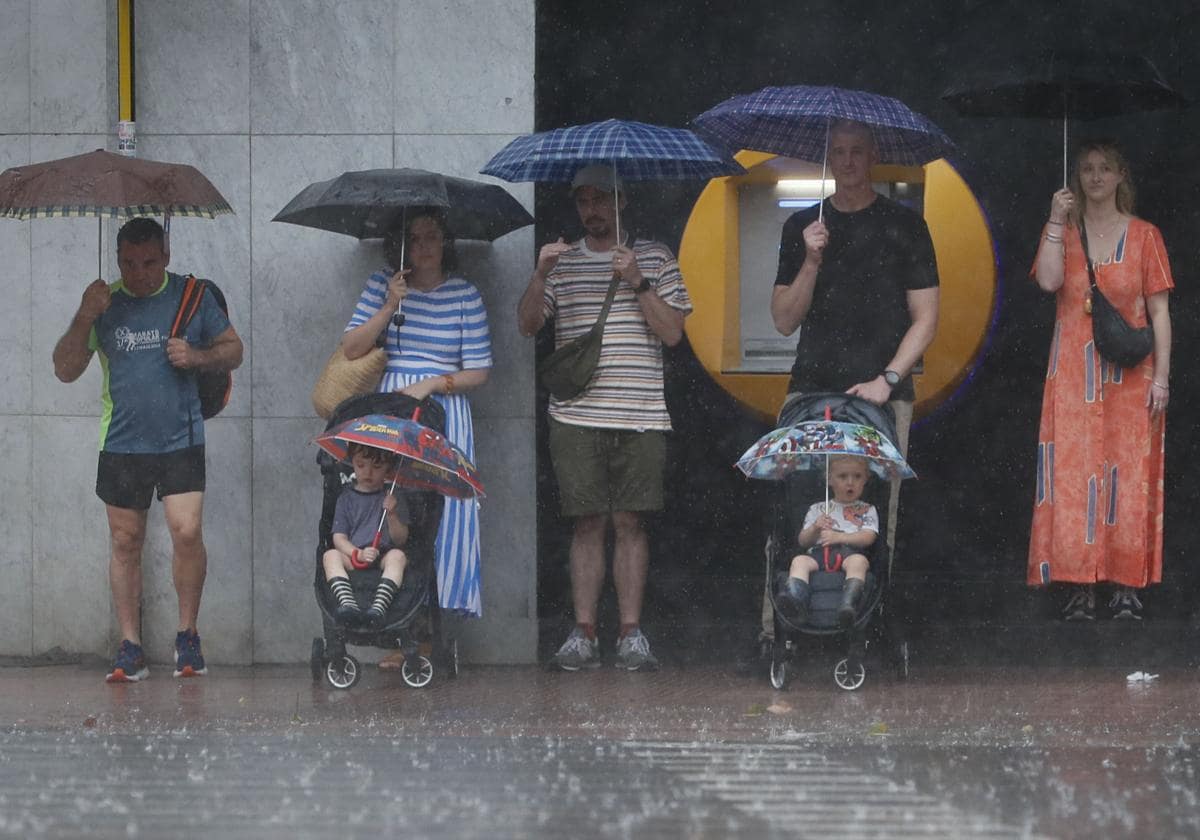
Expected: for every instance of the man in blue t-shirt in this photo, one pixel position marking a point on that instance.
(151, 429)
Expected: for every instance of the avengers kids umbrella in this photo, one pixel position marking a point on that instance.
(810, 445)
(426, 460)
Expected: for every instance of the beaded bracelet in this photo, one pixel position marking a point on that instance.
(1160, 385)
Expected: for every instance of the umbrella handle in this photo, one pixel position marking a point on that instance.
(821, 205)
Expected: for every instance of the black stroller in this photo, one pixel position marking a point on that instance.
(413, 621)
(799, 490)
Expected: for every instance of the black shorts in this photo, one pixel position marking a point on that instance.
(128, 480)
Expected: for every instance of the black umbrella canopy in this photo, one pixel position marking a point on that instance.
(1065, 83)
(365, 204)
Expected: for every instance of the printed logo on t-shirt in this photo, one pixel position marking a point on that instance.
(131, 341)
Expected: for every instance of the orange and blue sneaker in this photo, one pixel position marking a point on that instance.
(130, 664)
(189, 661)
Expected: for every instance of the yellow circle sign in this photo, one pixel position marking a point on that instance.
(711, 260)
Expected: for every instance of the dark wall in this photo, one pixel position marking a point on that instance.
(967, 520)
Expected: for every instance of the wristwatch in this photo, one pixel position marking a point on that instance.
(891, 378)
(644, 286)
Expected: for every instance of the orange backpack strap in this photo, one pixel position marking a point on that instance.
(189, 304)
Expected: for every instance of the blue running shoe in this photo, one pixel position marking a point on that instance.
(130, 664)
(189, 661)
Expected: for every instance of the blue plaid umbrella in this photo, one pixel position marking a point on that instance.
(638, 152)
(794, 121)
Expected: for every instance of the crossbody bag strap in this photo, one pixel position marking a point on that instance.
(608, 299)
(1086, 257)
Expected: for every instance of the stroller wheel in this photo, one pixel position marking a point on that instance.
(849, 675)
(317, 661)
(420, 676)
(343, 674)
(779, 674)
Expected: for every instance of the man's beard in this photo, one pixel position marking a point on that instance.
(597, 227)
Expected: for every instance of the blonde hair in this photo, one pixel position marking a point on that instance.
(1125, 190)
(858, 459)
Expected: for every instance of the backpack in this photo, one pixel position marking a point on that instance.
(214, 386)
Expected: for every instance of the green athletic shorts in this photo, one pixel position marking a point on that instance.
(600, 471)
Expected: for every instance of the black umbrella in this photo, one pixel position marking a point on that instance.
(365, 204)
(1066, 84)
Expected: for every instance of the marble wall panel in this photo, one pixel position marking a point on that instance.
(193, 67)
(507, 633)
(16, 524)
(72, 604)
(14, 66)
(306, 281)
(68, 46)
(321, 67)
(225, 612)
(217, 248)
(500, 270)
(480, 76)
(64, 261)
(286, 509)
(16, 329)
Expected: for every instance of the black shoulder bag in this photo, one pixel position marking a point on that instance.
(1115, 340)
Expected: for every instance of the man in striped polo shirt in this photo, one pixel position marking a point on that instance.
(608, 444)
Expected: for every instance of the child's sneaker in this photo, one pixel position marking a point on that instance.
(189, 661)
(578, 651)
(633, 653)
(130, 664)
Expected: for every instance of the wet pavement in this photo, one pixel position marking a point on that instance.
(519, 752)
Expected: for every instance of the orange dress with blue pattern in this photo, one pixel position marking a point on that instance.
(1098, 512)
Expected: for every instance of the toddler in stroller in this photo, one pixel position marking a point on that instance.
(826, 566)
(391, 603)
(843, 529)
(369, 526)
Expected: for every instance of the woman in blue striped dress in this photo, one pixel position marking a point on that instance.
(441, 349)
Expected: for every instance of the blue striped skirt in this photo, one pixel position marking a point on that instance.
(457, 545)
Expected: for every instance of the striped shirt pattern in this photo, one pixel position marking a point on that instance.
(626, 392)
(444, 330)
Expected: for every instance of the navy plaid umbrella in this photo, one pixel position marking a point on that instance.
(794, 121)
(638, 151)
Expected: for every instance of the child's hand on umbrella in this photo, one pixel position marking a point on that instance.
(829, 537)
(389, 503)
(369, 555)
(825, 522)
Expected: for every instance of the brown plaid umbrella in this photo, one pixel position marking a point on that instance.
(103, 184)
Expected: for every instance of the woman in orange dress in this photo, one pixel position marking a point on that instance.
(1098, 513)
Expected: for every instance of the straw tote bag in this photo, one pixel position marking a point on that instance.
(343, 378)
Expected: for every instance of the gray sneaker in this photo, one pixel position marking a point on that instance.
(578, 651)
(633, 653)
